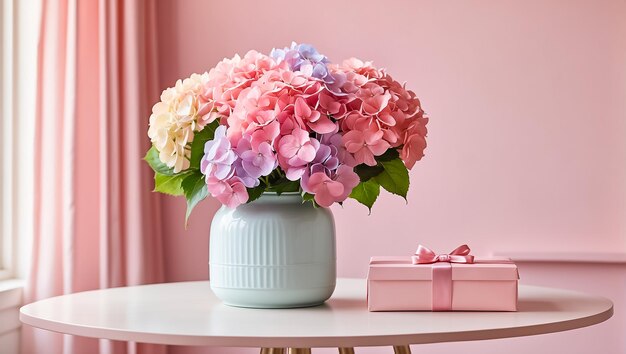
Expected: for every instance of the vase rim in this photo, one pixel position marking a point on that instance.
(286, 197)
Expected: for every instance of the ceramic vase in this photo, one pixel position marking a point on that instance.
(275, 252)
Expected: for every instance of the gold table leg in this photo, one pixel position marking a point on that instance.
(272, 350)
(299, 351)
(402, 349)
(346, 350)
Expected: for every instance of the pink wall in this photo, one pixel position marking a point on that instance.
(526, 144)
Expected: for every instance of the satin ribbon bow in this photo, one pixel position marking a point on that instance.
(424, 255)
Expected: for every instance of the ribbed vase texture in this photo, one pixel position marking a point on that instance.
(275, 252)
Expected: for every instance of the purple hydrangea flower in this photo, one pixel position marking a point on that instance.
(326, 161)
(334, 140)
(246, 179)
(242, 146)
(259, 162)
(304, 58)
(218, 156)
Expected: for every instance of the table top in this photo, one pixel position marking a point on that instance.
(188, 313)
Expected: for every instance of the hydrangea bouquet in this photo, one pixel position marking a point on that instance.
(286, 122)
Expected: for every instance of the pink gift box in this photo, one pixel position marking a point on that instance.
(396, 284)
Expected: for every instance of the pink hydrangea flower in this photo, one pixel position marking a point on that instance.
(366, 69)
(329, 190)
(374, 99)
(267, 134)
(254, 108)
(314, 119)
(332, 105)
(326, 190)
(295, 151)
(377, 103)
(364, 145)
(288, 123)
(231, 192)
(348, 178)
(226, 81)
(414, 142)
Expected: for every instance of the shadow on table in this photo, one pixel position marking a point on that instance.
(344, 304)
(524, 305)
(536, 306)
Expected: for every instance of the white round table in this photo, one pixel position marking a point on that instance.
(189, 314)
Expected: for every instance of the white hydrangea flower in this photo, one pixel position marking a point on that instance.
(174, 120)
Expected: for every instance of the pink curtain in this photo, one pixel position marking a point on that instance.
(97, 222)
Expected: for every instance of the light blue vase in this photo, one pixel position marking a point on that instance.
(275, 252)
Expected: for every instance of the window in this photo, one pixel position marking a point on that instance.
(19, 32)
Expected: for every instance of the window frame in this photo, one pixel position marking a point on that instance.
(19, 35)
(6, 242)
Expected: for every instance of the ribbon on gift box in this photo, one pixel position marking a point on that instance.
(442, 272)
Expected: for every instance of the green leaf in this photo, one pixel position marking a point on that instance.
(199, 139)
(284, 185)
(389, 155)
(366, 193)
(394, 178)
(307, 197)
(255, 193)
(152, 158)
(169, 184)
(366, 172)
(195, 190)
